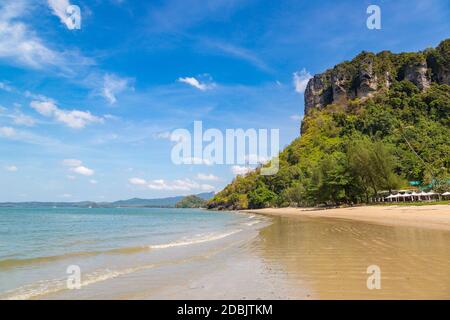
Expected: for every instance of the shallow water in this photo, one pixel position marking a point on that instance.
(331, 257)
(37, 245)
(197, 254)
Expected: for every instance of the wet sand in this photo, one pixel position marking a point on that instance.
(325, 258)
(330, 250)
(330, 258)
(431, 216)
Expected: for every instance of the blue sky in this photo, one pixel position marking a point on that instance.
(84, 114)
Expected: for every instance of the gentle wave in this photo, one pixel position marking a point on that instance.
(12, 263)
(46, 287)
(201, 239)
(251, 223)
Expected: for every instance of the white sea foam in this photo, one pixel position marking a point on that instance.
(45, 287)
(196, 240)
(251, 223)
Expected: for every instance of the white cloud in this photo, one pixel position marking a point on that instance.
(197, 83)
(72, 162)
(137, 181)
(113, 85)
(300, 79)
(92, 181)
(239, 52)
(76, 166)
(11, 168)
(21, 44)
(17, 116)
(82, 170)
(240, 170)
(72, 118)
(207, 187)
(207, 177)
(23, 120)
(176, 185)
(25, 136)
(70, 177)
(296, 117)
(7, 132)
(255, 159)
(6, 87)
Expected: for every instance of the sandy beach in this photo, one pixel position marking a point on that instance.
(284, 253)
(430, 216)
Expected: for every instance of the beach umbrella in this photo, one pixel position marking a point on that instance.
(446, 193)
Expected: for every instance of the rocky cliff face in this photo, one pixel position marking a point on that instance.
(368, 74)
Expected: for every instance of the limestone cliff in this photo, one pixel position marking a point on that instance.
(370, 73)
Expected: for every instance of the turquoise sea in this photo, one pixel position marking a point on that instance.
(38, 245)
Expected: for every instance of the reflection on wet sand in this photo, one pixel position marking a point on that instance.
(332, 257)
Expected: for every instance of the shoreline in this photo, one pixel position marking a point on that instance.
(427, 216)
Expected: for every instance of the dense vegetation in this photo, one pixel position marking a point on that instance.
(349, 152)
(191, 202)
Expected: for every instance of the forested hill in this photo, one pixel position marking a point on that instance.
(378, 122)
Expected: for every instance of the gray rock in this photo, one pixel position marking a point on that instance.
(418, 74)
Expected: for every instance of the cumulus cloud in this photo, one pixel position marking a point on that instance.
(83, 170)
(75, 119)
(113, 85)
(76, 166)
(196, 83)
(300, 79)
(11, 168)
(240, 170)
(207, 177)
(137, 181)
(175, 185)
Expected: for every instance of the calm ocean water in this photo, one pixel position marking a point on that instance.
(38, 244)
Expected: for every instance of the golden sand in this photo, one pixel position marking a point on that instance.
(431, 216)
